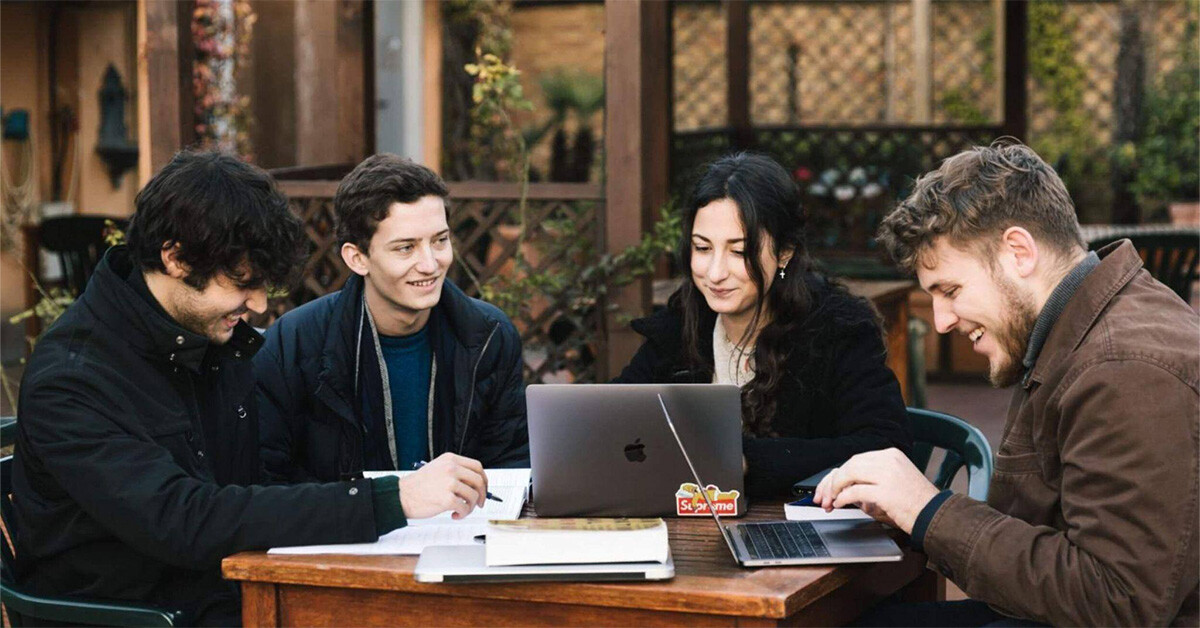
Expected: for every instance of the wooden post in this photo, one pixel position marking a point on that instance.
(432, 93)
(637, 139)
(160, 115)
(737, 71)
(351, 79)
(923, 61)
(316, 75)
(1016, 64)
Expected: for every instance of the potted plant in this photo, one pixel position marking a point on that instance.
(1167, 158)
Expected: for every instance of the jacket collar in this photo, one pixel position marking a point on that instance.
(1119, 263)
(118, 296)
(340, 353)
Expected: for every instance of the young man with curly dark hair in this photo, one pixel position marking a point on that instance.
(137, 464)
(400, 367)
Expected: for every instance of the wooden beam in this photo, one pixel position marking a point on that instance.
(1016, 66)
(737, 71)
(351, 80)
(923, 61)
(432, 77)
(316, 75)
(159, 110)
(637, 137)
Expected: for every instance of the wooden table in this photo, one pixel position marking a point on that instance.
(708, 589)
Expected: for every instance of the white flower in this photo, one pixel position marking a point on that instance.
(830, 176)
(871, 190)
(818, 189)
(843, 192)
(858, 176)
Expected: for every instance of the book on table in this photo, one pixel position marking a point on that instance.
(576, 541)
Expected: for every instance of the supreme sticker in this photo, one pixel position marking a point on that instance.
(689, 501)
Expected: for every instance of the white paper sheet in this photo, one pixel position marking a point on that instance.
(816, 513)
(511, 485)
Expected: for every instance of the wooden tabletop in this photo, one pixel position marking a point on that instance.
(707, 580)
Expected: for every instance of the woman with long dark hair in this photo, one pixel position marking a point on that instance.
(808, 356)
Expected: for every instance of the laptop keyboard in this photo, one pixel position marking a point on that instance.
(783, 539)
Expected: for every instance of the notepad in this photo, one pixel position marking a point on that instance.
(511, 485)
(816, 513)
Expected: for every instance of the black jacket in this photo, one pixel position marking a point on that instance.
(839, 398)
(136, 452)
(318, 422)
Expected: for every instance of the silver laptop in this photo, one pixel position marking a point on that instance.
(760, 544)
(603, 450)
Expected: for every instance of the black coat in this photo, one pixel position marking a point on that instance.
(317, 422)
(135, 454)
(839, 397)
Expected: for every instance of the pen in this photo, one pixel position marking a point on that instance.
(419, 464)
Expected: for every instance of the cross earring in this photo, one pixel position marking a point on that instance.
(782, 274)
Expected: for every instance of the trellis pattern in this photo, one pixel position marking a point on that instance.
(560, 335)
(698, 65)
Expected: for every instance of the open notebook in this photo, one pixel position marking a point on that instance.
(511, 485)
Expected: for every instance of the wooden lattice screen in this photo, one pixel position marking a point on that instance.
(560, 333)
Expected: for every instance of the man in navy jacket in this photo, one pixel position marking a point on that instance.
(399, 367)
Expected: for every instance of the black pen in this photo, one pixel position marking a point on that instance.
(421, 463)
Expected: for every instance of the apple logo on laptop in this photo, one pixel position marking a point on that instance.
(636, 451)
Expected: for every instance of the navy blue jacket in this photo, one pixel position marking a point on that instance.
(839, 397)
(320, 388)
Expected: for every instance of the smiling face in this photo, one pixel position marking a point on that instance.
(981, 303)
(214, 311)
(718, 263)
(406, 264)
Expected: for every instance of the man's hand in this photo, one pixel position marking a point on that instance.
(449, 482)
(885, 484)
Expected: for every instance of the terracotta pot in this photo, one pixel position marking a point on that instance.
(1185, 213)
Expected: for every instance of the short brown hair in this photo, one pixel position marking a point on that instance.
(979, 192)
(364, 197)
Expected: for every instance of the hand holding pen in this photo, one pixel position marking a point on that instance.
(448, 483)
(418, 465)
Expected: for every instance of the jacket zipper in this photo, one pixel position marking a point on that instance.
(471, 399)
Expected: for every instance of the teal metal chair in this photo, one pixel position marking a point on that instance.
(25, 609)
(964, 444)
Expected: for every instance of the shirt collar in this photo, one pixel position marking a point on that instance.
(1054, 308)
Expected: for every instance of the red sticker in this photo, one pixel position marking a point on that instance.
(689, 502)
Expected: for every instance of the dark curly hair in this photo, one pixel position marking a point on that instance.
(225, 215)
(768, 202)
(365, 195)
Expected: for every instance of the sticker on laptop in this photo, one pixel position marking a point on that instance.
(689, 502)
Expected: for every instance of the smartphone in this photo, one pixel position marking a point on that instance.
(806, 487)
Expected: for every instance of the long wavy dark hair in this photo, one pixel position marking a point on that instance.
(768, 202)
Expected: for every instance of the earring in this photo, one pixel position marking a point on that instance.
(782, 274)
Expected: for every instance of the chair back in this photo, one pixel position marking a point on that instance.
(78, 242)
(964, 444)
(25, 609)
(1171, 257)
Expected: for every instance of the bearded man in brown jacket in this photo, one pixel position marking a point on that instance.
(1091, 518)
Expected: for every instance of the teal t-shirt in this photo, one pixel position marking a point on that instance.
(408, 360)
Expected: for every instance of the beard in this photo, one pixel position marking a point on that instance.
(209, 324)
(1019, 316)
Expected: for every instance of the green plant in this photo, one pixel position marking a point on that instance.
(1167, 158)
(1071, 143)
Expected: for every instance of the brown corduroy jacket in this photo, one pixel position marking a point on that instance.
(1092, 515)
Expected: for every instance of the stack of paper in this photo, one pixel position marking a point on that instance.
(576, 541)
(510, 485)
(795, 512)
